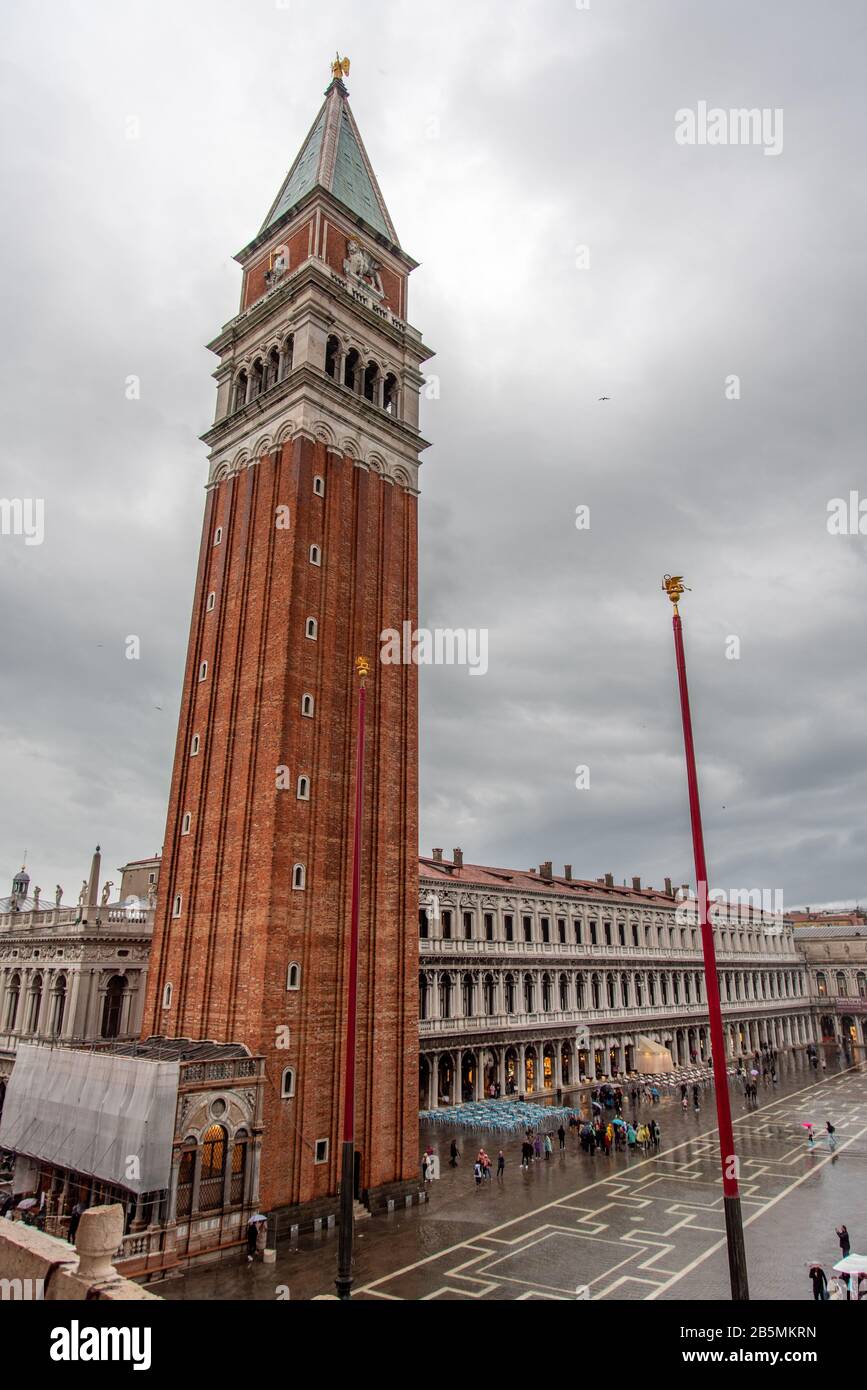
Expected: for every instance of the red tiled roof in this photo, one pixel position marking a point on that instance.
(522, 881)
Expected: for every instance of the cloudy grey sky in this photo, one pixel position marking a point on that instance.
(506, 135)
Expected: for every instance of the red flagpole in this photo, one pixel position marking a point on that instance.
(731, 1194)
(347, 1175)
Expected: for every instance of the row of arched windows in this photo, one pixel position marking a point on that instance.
(366, 379)
(841, 984)
(607, 989)
(26, 1018)
(211, 1157)
(264, 373)
(551, 991)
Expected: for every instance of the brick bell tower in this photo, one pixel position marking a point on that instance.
(308, 551)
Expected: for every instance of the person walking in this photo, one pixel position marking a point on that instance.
(256, 1228)
(845, 1243)
(561, 1135)
(537, 1146)
(477, 1174)
(526, 1154)
(454, 1154)
(820, 1283)
(831, 1131)
(77, 1212)
(425, 1170)
(655, 1133)
(501, 1165)
(549, 1147)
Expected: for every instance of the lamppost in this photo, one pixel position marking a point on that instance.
(674, 587)
(347, 1172)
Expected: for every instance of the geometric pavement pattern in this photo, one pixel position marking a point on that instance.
(637, 1233)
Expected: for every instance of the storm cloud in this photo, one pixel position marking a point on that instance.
(572, 248)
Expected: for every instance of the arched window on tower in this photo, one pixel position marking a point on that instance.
(390, 395)
(332, 353)
(307, 706)
(299, 876)
(272, 369)
(293, 976)
(287, 356)
(371, 379)
(240, 390)
(351, 372)
(258, 378)
(287, 1084)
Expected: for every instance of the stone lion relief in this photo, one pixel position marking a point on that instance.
(360, 265)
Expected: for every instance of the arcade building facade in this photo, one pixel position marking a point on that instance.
(531, 983)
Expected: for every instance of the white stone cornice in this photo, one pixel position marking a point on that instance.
(328, 417)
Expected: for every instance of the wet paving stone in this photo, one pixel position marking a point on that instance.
(627, 1226)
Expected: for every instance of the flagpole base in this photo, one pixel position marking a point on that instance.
(343, 1282)
(736, 1249)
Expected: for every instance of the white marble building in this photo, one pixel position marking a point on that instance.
(70, 975)
(529, 981)
(836, 962)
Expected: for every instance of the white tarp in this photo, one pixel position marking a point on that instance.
(100, 1113)
(652, 1057)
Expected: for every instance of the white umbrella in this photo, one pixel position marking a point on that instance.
(852, 1264)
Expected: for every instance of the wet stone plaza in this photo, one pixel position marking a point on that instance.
(623, 1226)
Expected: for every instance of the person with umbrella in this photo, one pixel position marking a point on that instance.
(255, 1235)
(820, 1283)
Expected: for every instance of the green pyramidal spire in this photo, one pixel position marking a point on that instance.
(333, 157)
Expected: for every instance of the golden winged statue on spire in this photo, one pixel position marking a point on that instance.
(339, 68)
(674, 586)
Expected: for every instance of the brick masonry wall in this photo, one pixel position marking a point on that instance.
(241, 922)
(298, 242)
